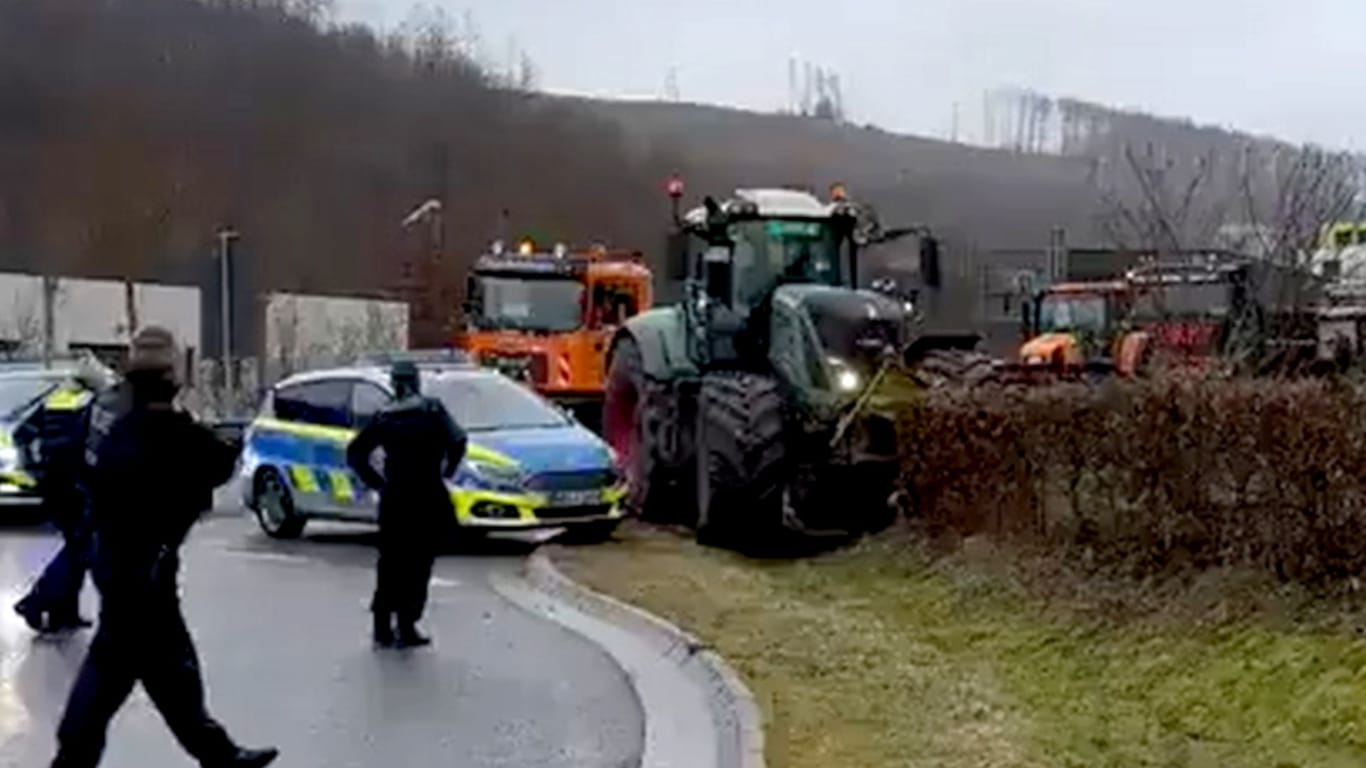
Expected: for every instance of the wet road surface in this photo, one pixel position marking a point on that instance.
(282, 630)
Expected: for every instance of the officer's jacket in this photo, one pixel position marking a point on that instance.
(62, 434)
(422, 446)
(155, 473)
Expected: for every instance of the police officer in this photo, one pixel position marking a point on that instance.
(422, 446)
(154, 474)
(53, 604)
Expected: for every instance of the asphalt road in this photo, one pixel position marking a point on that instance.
(282, 630)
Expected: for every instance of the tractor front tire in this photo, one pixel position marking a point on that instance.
(741, 462)
(637, 416)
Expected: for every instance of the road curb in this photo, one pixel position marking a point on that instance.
(735, 715)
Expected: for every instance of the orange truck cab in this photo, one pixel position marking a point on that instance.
(1075, 326)
(545, 318)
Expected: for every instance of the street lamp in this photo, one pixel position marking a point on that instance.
(226, 236)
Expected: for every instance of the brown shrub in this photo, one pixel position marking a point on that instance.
(1183, 471)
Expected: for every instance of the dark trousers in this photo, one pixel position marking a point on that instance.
(139, 639)
(402, 574)
(58, 588)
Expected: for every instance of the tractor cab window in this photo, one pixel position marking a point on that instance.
(770, 252)
(528, 303)
(613, 304)
(1185, 299)
(1064, 313)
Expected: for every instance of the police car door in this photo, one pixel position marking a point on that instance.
(367, 398)
(319, 425)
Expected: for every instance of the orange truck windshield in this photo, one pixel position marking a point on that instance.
(528, 304)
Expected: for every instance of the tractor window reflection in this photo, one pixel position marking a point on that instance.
(769, 252)
(1072, 313)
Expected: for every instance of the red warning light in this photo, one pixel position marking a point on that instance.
(675, 186)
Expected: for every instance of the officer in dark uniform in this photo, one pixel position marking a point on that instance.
(154, 474)
(422, 447)
(53, 604)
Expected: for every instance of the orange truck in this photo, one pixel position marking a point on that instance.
(546, 317)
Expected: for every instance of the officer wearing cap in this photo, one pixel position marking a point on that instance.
(142, 637)
(422, 447)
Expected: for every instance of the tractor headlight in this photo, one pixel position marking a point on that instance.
(847, 380)
(487, 476)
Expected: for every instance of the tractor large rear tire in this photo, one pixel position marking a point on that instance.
(638, 416)
(741, 462)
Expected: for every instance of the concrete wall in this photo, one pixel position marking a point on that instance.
(91, 313)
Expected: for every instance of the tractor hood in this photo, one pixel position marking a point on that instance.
(851, 324)
(1050, 348)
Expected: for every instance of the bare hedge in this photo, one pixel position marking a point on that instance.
(1151, 475)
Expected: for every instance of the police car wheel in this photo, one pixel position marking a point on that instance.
(275, 507)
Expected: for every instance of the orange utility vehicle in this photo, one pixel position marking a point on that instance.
(1075, 328)
(545, 318)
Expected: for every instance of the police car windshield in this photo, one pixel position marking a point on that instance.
(19, 392)
(480, 403)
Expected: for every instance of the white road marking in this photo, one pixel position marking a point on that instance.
(270, 557)
(437, 581)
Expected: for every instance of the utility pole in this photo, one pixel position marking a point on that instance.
(226, 236)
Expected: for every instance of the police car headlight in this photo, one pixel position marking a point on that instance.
(9, 457)
(487, 476)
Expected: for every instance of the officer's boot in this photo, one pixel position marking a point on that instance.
(247, 758)
(409, 637)
(32, 615)
(384, 629)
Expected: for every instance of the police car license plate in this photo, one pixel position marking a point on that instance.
(575, 498)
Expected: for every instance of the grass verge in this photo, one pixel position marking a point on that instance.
(879, 656)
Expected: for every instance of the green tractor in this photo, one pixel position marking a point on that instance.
(744, 410)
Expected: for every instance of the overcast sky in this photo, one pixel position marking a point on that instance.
(1284, 67)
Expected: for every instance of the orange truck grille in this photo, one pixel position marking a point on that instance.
(530, 368)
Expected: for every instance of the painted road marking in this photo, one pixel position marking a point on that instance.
(269, 557)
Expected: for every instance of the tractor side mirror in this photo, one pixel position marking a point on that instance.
(929, 262)
(676, 267)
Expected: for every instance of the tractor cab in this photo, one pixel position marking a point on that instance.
(1075, 325)
(771, 278)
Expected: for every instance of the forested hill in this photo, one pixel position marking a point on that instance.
(131, 129)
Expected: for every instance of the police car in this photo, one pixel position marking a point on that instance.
(528, 464)
(26, 387)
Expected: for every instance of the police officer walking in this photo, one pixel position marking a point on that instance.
(53, 604)
(154, 474)
(422, 446)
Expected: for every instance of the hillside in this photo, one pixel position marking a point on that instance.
(131, 129)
